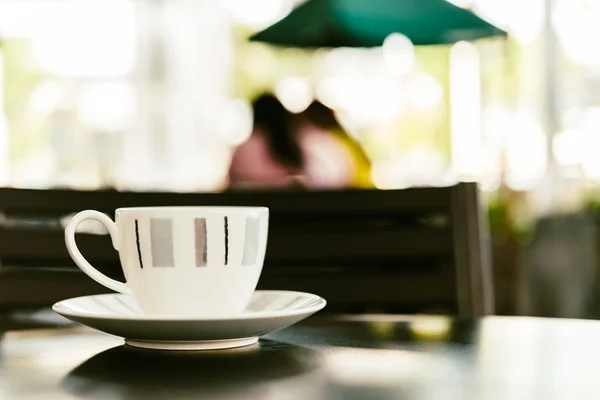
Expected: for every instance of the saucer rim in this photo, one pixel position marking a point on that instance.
(191, 345)
(61, 309)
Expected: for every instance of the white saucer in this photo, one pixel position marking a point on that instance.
(119, 315)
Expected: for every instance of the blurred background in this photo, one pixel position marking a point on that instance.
(170, 95)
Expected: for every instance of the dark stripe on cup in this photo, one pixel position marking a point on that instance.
(161, 241)
(200, 239)
(137, 243)
(226, 240)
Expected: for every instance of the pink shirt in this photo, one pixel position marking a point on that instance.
(328, 164)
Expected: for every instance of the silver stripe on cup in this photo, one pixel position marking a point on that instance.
(251, 241)
(200, 241)
(161, 241)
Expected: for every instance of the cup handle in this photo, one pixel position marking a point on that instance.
(78, 257)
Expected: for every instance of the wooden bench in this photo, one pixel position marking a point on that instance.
(421, 250)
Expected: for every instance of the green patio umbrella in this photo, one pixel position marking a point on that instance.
(366, 23)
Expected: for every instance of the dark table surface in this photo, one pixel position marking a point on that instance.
(375, 357)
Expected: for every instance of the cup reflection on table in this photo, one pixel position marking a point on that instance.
(128, 373)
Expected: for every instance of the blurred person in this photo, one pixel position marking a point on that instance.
(308, 150)
(318, 125)
(272, 156)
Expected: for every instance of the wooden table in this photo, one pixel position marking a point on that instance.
(376, 357)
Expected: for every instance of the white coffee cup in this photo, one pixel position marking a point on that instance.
(185, 261)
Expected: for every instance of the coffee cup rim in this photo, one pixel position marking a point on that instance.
(202, 209)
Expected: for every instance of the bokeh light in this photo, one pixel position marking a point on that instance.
(295, 93)
(87, 38)
(526, 152)
(465, 111)
(235, 122)
(107, 106)
(567, 147)
(257, 14)
(577, 28)
(398, 54)
(424, 91)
